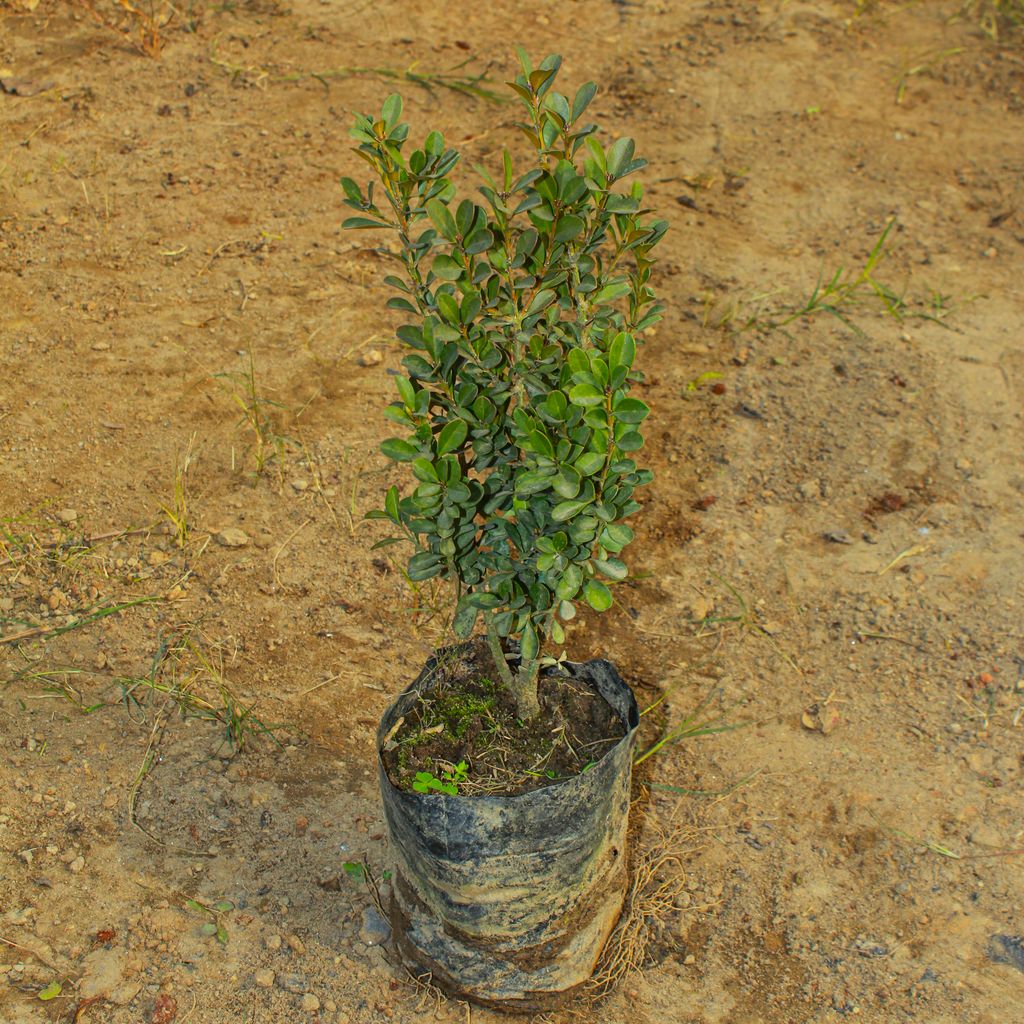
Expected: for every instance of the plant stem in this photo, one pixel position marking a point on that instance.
(522, 685)
(524, 689)
(494, 642)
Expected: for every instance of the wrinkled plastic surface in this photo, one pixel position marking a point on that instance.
(508, 900)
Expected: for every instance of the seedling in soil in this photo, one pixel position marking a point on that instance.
(448, 783)
(257, 414)
(214, 927)
(526, 318)
(355, 870)
(838, 296)
(176, 510)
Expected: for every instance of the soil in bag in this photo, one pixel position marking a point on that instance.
(463, 735)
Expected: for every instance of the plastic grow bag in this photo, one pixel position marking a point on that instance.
(508, 900)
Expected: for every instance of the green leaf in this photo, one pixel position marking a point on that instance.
(584, 95)
(631, 410)
(51, 991)
(465, 617)
(447, 268)
(223, 906)
(448, 307)
(392, 110)
(533, 480)
(442, 219)
(352, 190)
(362, 222)
(630, 442)
(622, 351)
(542, 299)
(589, 463)
(566, 483)
(529, 645)
(391, 504)
(569, 226)
(451, 437)
(567, 509)
(222, 935)
(208, 928)
(541, 444)
(578, 361)
(418, 367)
(569, 585)
(556, 405)
(619, 155)
(597, 595)
(424, 566)
(611, 292)
(196, 906)
(586, 395)
(399, 450)
(611, 567)
(354, 869)
(616, 536)
(425, 470)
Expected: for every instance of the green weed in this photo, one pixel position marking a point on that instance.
(840, 296)
(214, 925)
(257, 414)
(448, 783)
(456, 79)
(698, 723)
(176, 510)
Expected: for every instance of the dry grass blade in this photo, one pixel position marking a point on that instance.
(142, 23)
(99, 613)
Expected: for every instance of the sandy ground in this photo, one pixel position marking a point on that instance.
(830, 556)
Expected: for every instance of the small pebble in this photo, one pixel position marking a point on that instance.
(292, 983)
(371, 358)
(296, 944)
(264, 977)
(233, 537)
(273, 941)
(374, 930)
(77, 865)
(67, 516)
(310, 1003)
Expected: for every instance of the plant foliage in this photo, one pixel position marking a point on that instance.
(525, 313)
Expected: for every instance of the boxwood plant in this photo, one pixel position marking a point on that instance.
(525, 311)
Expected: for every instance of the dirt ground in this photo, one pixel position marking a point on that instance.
(830, 556)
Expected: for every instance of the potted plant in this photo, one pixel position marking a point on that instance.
(518, 426)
